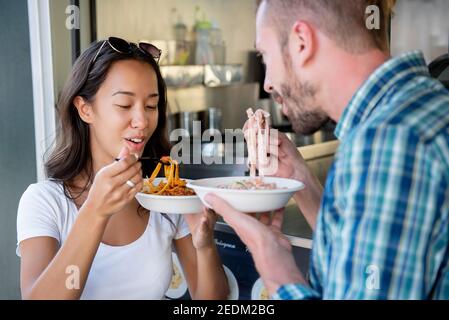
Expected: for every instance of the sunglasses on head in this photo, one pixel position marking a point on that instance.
(122, 46)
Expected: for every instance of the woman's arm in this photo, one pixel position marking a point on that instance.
(200, 260)
(47, 273)
(203, 270)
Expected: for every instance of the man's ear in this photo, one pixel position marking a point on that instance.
(84, 109)
(302, 42)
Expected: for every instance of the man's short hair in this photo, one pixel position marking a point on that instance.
(344, 21)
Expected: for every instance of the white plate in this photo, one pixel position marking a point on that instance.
(248, 200)
(170, 204)
(181, 288)
(259, 292)
(232, 283)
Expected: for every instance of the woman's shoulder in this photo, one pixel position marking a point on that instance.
(48, 188)
(174, 224)
(44, 194)
(167, 221)
(42, 211)
(171, 218)
(44, 202)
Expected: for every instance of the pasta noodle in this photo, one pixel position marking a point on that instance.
(257, 138)
(172, 185)
(258, 141)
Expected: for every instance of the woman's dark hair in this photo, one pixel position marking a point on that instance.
(72, 155)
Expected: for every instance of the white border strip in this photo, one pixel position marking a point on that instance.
(42, 75)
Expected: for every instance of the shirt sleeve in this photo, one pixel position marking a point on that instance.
(182, 229)
(295, 292)
(389, 194)
(36, 216)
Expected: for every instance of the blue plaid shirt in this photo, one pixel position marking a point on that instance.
(383, 227)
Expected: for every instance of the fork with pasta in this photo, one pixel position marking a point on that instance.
(172, 185)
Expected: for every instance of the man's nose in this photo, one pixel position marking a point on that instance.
(268, 87)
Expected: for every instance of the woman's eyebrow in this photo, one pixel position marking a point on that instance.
(132, 94)
(128, 93)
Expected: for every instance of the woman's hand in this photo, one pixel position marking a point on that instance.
(110, 191)
(201, 226)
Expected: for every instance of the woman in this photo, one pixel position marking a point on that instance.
(81, 233)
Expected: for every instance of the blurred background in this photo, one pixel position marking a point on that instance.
(212, 72)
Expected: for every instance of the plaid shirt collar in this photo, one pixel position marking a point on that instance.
(381, 83)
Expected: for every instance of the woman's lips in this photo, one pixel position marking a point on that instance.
(137, 147)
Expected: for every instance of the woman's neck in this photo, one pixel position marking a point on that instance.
(100, 162)
(79, 187)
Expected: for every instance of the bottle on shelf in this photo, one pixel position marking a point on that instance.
(182, 51)
(204, 53)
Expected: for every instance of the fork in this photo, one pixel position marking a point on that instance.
(155, 160)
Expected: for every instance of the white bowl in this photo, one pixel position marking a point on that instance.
(181, 289)
(232, 283)
(248, 200)
(259, 292)
(170, 204)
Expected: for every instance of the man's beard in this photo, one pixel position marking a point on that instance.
(299, 98)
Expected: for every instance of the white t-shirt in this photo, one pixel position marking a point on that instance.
(139, 270)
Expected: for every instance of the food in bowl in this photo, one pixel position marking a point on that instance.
(264, 200)
(264, 294)
(178, 284)
(176, 279)
(172, 185)
(259, 291)
(250, 184)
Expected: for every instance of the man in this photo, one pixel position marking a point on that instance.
(382, 223)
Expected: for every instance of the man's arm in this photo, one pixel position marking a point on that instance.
(270, 249)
